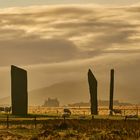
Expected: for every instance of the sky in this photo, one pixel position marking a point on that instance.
(58, 43)
(15, 3)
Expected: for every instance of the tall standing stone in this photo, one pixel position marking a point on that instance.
(93, 93)
(111, 91)
(19, 93)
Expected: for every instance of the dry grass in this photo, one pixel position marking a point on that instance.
(74, 129)
(103, 110)
(53, 127)
(91, 129)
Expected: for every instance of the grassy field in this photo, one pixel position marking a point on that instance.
(103, 110)
(47, 124)
(51, 128)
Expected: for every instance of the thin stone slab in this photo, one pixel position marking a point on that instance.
(111, 91)
(19, 94)
(93, 92)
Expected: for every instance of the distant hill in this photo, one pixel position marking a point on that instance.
(72, 93)
(66, 92)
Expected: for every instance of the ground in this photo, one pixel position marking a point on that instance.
(70, 129)
(44, 123)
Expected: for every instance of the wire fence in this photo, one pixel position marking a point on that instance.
(35, 120)
(125, 110)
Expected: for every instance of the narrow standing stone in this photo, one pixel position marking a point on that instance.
(19, 93)
(93, 93)
(111, 91)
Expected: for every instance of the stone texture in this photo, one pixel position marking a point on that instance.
(93, 92)
(19, 93)
(111, 91)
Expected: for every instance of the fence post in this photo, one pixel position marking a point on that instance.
(137, 111)
(57, 114)
(7, 121)
(124, 112)
(35, 122)
(64, 119)
(92, 117)
(84, 113)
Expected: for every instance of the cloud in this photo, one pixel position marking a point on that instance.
(34, 51)
(60, 43)
(82, 25)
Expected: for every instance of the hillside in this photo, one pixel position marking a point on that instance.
(66, 92)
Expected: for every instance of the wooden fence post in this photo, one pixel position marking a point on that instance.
(137, 111)
(35, 122)
(7, 121)
(124, 112)
(64, 119)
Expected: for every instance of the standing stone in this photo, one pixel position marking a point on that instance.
(111, 91)
(93, 93)
(19, 93)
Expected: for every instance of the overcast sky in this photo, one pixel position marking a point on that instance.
(60, 43)
(15, 3)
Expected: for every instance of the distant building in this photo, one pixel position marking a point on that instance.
(51, 102)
